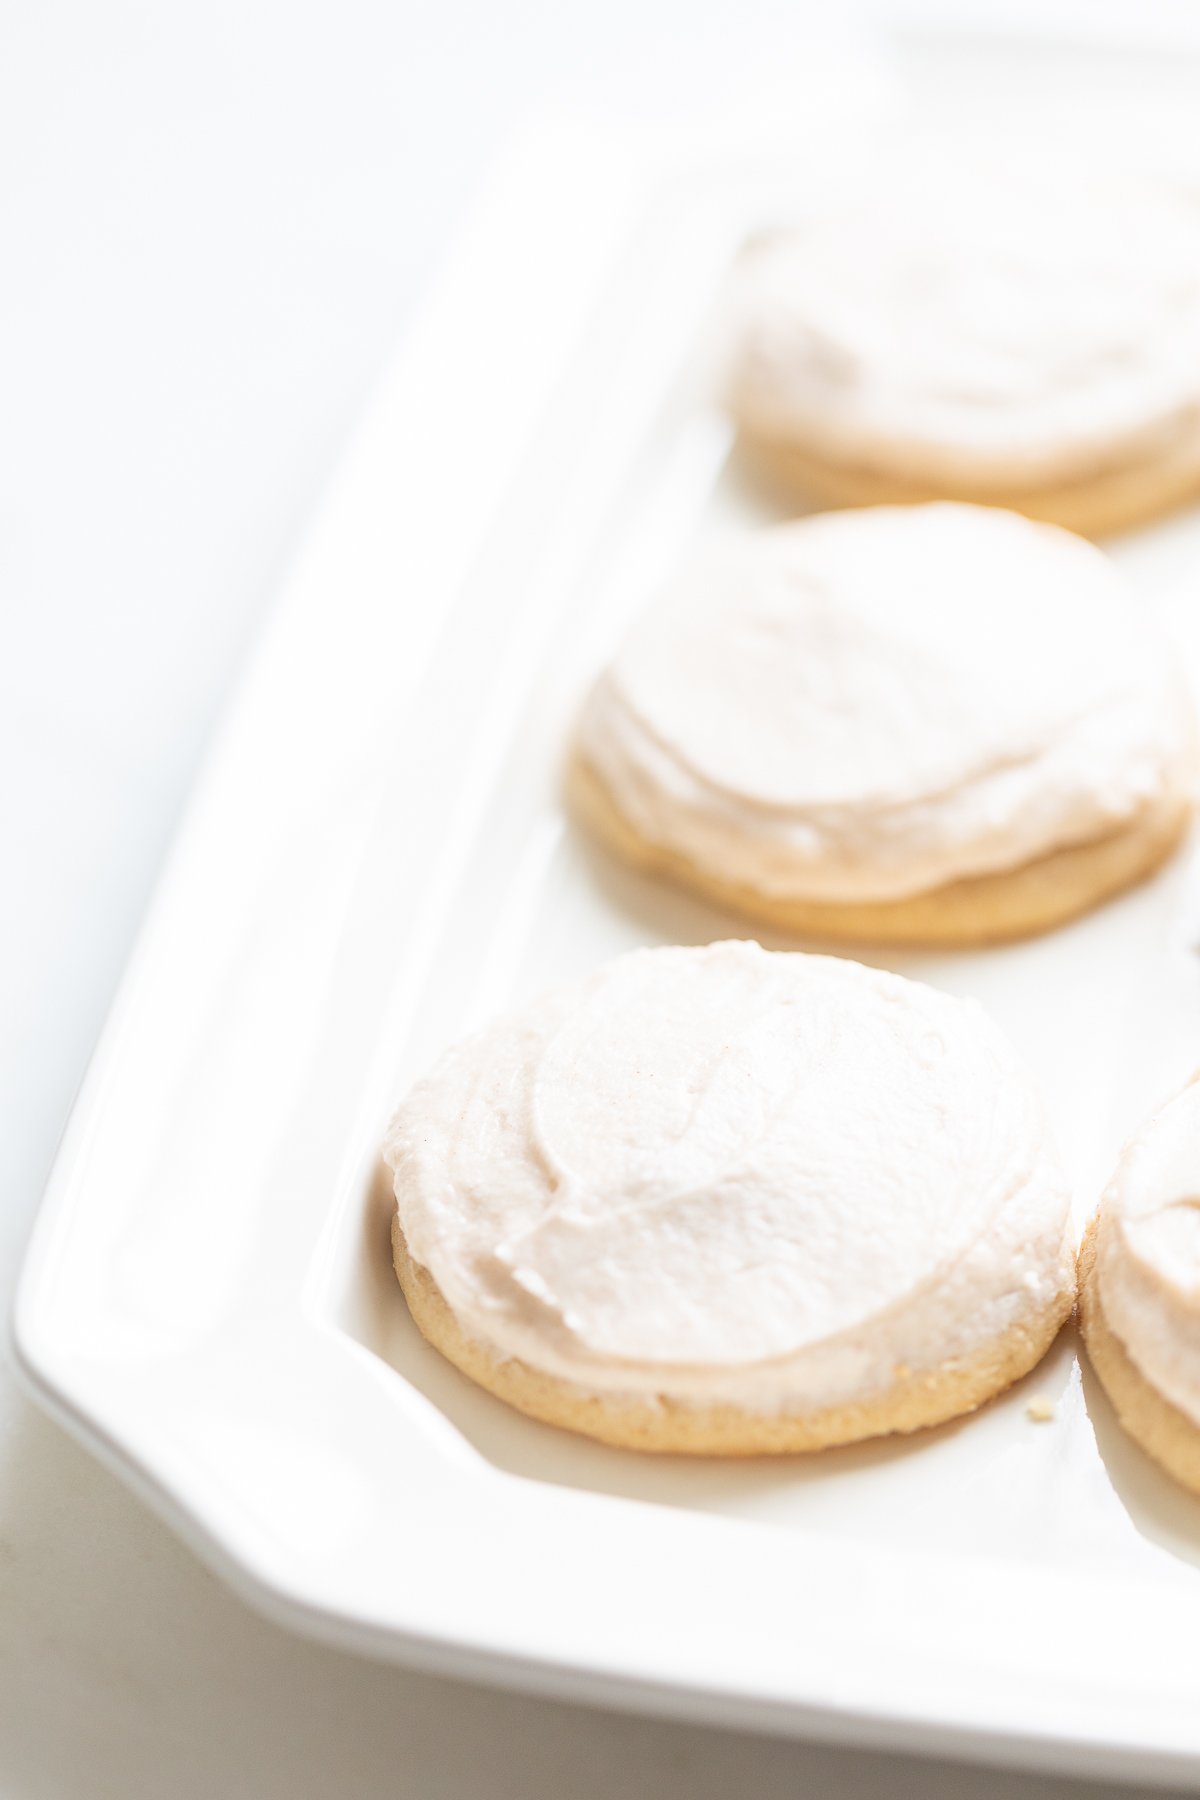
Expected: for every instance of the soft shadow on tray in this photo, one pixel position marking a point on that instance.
(1161, 1510)
(765, 1488)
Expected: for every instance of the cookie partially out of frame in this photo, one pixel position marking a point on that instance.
(980, 324)
(1098, 504)
(1162, 1430)
(1139, 1287)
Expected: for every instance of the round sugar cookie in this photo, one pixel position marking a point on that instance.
(942, 724)
(979, 326)
(1139, 1288)
(727, 1201)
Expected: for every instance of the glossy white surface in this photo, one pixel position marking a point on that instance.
(195, 198)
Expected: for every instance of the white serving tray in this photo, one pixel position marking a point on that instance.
(376, 859)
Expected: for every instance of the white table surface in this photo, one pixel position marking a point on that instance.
(213, 217)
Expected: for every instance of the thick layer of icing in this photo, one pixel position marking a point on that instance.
(1148, 1255)
(977, 320)
(727, 1175)
(868, 705)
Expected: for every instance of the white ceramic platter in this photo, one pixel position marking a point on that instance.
(376, 859)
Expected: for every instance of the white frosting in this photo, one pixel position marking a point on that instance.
(1148, 1260)
(868, 705)
(728, 1175)
(1000, 321)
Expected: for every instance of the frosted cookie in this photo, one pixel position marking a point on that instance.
(986, 329)
(726, 1201)
(938, 724)
(1139, 1288)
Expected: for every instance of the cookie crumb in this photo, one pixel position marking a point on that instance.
(1040, 1409)
(900, 1371)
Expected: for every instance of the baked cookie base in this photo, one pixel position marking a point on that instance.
(1095, 505)
(1161, 1430)
(984, 909)
(912, 1403)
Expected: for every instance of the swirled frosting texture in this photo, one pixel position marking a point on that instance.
(723, 1174)
(1148, 1257)
(974, 318)
(869, 705)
